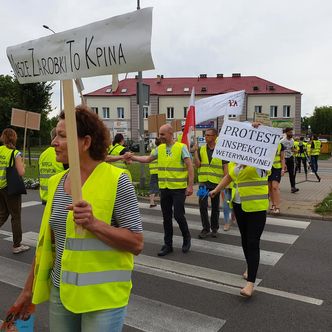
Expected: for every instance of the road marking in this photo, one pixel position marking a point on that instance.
(234, 231)
(213, 248)
(14, 273)
(28, 238)
(269, 221)
(151, 315)
(183, 269)
(30, 203)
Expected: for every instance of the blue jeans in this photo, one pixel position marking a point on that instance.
(226, 209)
(64, 320)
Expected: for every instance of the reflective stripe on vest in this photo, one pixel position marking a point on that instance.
(92, 277)
(213, 171)
(172, 174)
(253, 189)
(5, 154)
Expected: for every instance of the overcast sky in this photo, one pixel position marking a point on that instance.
(287, 42)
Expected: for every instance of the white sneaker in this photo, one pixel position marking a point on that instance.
(20, 249)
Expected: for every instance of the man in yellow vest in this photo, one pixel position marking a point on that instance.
(47, 167)
(315, 152)
(175, 180)
(301, 152)
(210, 172)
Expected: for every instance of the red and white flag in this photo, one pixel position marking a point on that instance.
(190, 124)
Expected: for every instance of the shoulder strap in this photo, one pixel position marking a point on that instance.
(11, 161)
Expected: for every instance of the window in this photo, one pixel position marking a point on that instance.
(273, 111)
(106, 112)
(120, 111)
(170, 112)
(185, 111)
(186, 89)
(286, 111)
(94, 110)
(145, 112)
(169, 89)
(258, 109)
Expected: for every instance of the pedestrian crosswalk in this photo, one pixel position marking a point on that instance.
(198, 270)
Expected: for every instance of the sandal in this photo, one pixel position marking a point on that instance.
(276, 211)
(272, 208)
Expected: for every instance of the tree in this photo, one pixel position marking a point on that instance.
(34, 97)
(321, 121)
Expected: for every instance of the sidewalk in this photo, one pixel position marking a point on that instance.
(301, 204)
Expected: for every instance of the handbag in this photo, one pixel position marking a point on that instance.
(15, 184)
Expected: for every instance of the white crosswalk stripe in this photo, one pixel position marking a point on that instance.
(167, 316)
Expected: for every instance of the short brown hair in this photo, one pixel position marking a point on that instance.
(9, 138)
(88, 123)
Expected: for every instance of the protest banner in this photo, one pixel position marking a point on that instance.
(120, 44)
(26, 120)
(242, 143)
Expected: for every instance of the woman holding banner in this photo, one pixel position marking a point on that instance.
(86, 276)
(250, 202)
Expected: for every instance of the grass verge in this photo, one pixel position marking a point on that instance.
(325, 207)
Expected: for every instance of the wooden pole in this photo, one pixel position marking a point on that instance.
(25, 135)
(72, 144)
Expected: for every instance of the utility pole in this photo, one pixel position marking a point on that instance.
(141, 119)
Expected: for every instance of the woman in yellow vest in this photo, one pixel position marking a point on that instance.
(277, 171)
(118, 149)
(86, 276)
(250, 202)
(11, 204)
(315, 152)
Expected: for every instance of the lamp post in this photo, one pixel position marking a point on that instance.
(48, 28)
(141, 119)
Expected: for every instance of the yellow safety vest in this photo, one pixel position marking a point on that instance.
(179, 138)
(296, 147)
(253, 189)
(172, 173)
(5, 154)
(212, 172)
(316, 150)
(277, 158)
(304, 145)
(115, 150)
(94, 276)
(153, 166)
(47, 166)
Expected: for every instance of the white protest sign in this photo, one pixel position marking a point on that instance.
(120, 44)
(219, 105)
(242, 143)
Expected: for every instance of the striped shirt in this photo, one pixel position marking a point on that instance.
(125, 215)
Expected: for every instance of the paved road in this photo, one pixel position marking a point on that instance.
(199, 291)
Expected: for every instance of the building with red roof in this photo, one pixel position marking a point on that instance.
(170, 96)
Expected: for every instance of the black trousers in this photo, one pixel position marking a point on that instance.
(298, 164)
(251, 226)
(11, 205)
(170, 198)
(215, 211)
(290, 169)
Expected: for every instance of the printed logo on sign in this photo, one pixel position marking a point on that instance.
(232, 103)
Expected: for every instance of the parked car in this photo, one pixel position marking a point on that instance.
(134, 147)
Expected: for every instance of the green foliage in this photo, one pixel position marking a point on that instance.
(35, 97)
(325, 207)
(321, 121)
